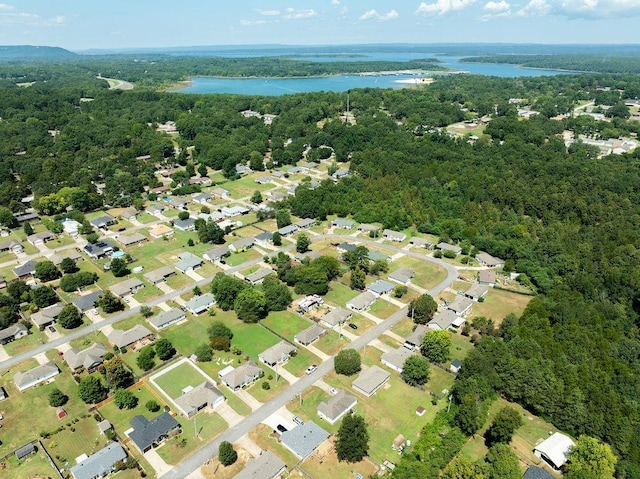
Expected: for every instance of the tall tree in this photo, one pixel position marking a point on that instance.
(352, 439)
(302, 243)
(250, 305)
(226, 288)
(590, 458)
(347, 362)
(227, 454)
(91, 390)
(503, 427)
(415, 371)
(436, 346)
(70, 317)
(422, 309)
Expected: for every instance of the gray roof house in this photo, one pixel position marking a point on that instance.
(460, 305)
(41, 238)
(420, 242)
(127, 287)
(305, 223)
(310, 335)
(167, 318)
(287, 230)
(263, 180)
(277, 354)
(367, 227)
(264, 238)
(302, 440)
(236, 210)
(337, 406)
(188, 262)
(476, 291)
(129, 214)
(146, 433)
(402, 275)
(13, 332)
(414, 340)
(395, 358)
(27, 379)
(99, 464)
(241, 244)
(342, 223)
(185, 225)
(394, 235)
(103, 222)
(199, 304)
(362, 301)
(486, 259)
(159, 275)
(449, 247)
(25, 270)
(344, 247)
(487, 276)
(46, 316)
(380, 287)
(195, 399)
(535, 472)
(241, 376)
(336, 316)
(221, 192)
(87, 301)
(25, 451)
(155, 209)
(88, 359)
(130, 240)
(201, 198)
(217, 253)
(443, 321)
(11, 245)
(258, 276)
(266, 466)
(99, 250)
(122, 339)
(370, 380)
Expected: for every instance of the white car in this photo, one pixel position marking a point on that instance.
(311, 368)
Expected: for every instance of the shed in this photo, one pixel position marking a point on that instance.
(25, 451)
(554, 449)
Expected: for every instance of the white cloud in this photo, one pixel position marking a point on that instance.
(293, 14)
(269, 13)
(374, 15)
(597, 8)
(9, 15)
(252, 23)
(441, 7)
(4, 6)
(535, 8)
(497, 7)
(335, 3)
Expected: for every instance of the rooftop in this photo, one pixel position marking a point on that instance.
(302, 440)
(99, 464)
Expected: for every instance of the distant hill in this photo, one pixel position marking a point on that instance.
(27, 52)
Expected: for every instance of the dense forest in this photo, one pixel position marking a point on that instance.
(564, 218)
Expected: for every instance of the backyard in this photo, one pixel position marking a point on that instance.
(499, 303)
(174, 381)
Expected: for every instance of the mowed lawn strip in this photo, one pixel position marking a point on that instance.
(174, 381)
(67, 444)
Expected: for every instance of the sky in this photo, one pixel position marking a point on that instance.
(86, 24)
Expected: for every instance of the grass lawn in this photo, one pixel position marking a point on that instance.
(178, 281)
(276, 387)
(389, 341)
(308, 410)
(246, 186)
(148, 292)
(208, 425)
(331, 343)
(498, 303)
(427, 274)
(339, 294)
(235, 259)
(252, 339)
(174, 381)
(301, 361)
(265, 439)
(404, 328)
(382, 309)
(146, 218)
(286, 323)
(461, 345)
(328, 465)
(82, 437)
(245, 232)
(36, 465)
(34, 338)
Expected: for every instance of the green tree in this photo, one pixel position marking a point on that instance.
(57, 398)
(220, 344)
(117, 374)
(347, 362)
(67, 265)
(436, 346)
(204, 353)
(422, 309)
(91, 390)
(352, 439)
(125, 399)
(119, 267)
(283, 218)
(250, 305)
(74, 281)
(109, 302)
(415, 371)
(328, 264)
(93, 238)
(227, 454)
(503, 427)
(46, 271)
(310, 280)
(152, 406)
(183, 215)
(256, 197)
(462, 468)
(218, 329)
(277, 239)
(19, 290)
(502, 463)
(468, 417)
(357, 258)
(70, 317)
(164, 349)
(302, 243)
(145, 359)
(6, 218)
(226, 288)
(590, 459)
(276, 294)
(146, 311)
(379, 266)
(357, 279)
(27, 228)
(44, 296)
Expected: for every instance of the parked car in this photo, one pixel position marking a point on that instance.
(353, 326)
(281, 428)
(298, 421)
(52, 329)
(311, 368)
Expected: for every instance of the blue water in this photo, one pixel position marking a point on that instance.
(117, 254)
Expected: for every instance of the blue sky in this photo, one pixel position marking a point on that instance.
(83, 24)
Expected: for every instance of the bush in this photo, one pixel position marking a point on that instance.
(152, 406)
(265, 385)
(449, 254)
(227, 454)
(347, 362)
(57, 398)
(220, 344)
(204, 353)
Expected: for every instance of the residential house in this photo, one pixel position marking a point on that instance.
(129, 214)
(309, 335)
(195, 399)
(417, 242)
(443, 321)
(13, 332)
(243, 170)
(187, 262)
(448, 247)
(342, 223)
(308, 165)
(99, 464)
(258, 276)
(535, 472)
(158, 190)
(414, 340)
(455, 366)
(391, 235)
(264, 239)
(103, 222)
(32, 377)
(294, 170)
(217, 253)
(179, 203)
(236, 210)
(200, 304)
(287, 230)
(303, 439)
(155, 209)
(221, 192)
(214, 216)
(395, 358)
(46, 316)
(187, 224)
(159, 275)
(132, 239)
(124, 338)
(374, 256)
(275, 196)
(277, 354)
(554, 449)
(241, 244)
(487, 277)
(340, 174)
(25, 451)
(308, 302)
(202, 198)
(336, 317)
(305, 223)
(278, 174)
(167, 318)
(346, 247)
(104, 426)
(26, 270)
(71, 254)
(370, 380)
(241, 376)
(338, 405)
(476, 291)
(87, 301)
(367, 228)
(200, 180)
(12, 245)
(402, 275)
(362, 302)
(27, 216)
(99, 250)
(266, 466)
(127, 287)
(263, 180)
(147, 433)
(460, 305)
(88, 359)
(38, 239)
(486, 259)
(380, 287)
(160, 231)
(310, 255)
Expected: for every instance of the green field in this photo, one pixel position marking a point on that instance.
(33, 339)
(174, 381)
(81, 437)
(263, 395)
(286, 323)
(301, 361)
(382, 309)
(121, 418)
(235, 259)
(339, 294)
(36, 465)
(499, 303)
(427, 274)
(331, 343)
(196, 432)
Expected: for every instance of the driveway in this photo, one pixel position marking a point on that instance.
(157, 462)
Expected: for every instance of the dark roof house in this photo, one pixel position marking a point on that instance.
(146, 432)
(99, 464)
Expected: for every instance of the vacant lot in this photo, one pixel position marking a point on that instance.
(427, 274)
(286, 323)
(339, 294)
(382, 309)
(499, 303)
(36, 465)
(174, 381)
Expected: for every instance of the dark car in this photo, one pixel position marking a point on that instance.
(353, 326)
(52, 329)
(281, 428)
